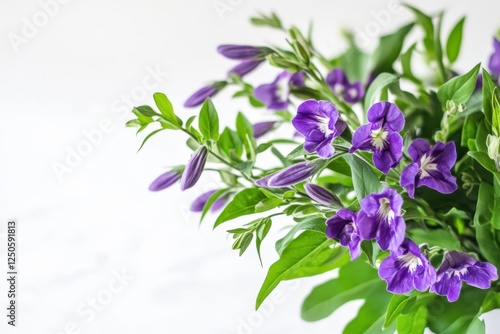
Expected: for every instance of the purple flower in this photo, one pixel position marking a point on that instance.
(260, 129)
(320, 123)
(290, 175)
(204, 93)
(431, 167)
(380, 218)
(407, 269)
(245, 67)
(342, 226)
(165, 180)
(200, 202)
(494, 63)
(275, 94)
(340, 85)
(242, 52)
(194, 168)
(458, 267)
(381, 135)
(322, 195)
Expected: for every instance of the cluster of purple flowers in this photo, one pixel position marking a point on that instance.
(340, 85)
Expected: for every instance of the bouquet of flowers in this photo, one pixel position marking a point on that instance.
(389, 176)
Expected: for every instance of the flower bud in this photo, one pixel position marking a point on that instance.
(194, 168)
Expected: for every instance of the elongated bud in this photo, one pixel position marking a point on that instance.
(200, 202)
(242, 52)
(204, 93)
(194, 168)
(322, 195)
(165, 180)
(291, 175)
(260, 129)
(245, 67)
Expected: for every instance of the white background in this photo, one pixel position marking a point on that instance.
(76, 230)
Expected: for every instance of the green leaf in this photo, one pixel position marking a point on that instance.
(459, 89)
(413, 322)
(396, 307)
(312, 223)
(356, 280)
(425, 22)
(489, 91)
(245, 131)
(211, 201)
(434, 238)
(242, 204)
(261, 233)
(364, 178)
(307, 255)
(149, 136)
(484, 160)
(469, 129)
(230, 144)
(455, 41)
(389, 49)
(166, 108)
(146, 111)
(381, 81)
(482, 221)
(208, 121)
(142, 119)
(268, 204)
(407, 66)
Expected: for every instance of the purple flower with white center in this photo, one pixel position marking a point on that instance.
(165, 180)
(200, 202)
(320, 123)
(194, 168)
(458, 267)
(342, 226)
(407, 269)
(275, 94)
(245, 67)
(260, 129)
(322, 195)
(431, 167)
(340, 85)
(381, 135)
(242, 52)
(290, 175)
(204, 93)
(494, 63)
(380, 218)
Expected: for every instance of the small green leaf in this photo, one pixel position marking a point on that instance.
(307, 255)
(149, 136)
(455, 41)
(211, 200)
(407, 66)
(208, 121)
(242, 204)
(459, 89)
(396, 307)
(381, 81)
(484, 160)
(364, 178)
(147, 111)
(489, 92)
(230, 144)
(389, 49)
(166, 108)
(482, 221)
(413, 322)
(312, 223)
(267, 204)
(434, 238)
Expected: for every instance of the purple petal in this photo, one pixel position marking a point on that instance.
(408, 178)
(441, 181)
(390, 236)
(444, 154)
(494, 61)
(297, 79)
(194, 168)
(386, 114)
(201, 95)
(165, 180)
(362, 138)
(290, 175)
(354, 92)
(260, 129)
(449, 287)
(245, 67)
(367, 226)
(337, 81)
(199, 203)
(239, 52)
(480, 275)
(418, 148)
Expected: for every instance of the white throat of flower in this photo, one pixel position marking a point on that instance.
(410, 261)
(458, 272)
(283, 89)
(384, 211)
(426, 166)
(352, 92)
(338, 89)
(323, 122)
(379, 138)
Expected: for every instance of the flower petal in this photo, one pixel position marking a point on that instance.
(408, 178)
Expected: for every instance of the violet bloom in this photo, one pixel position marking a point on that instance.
(290, 175)
(165, 180)
(200, 202)
(380, 218)
(275, 94)
(204, 93)
(322, 195)
(245, 67)
(381, 135)
(458, 267)
(431, 167)
(320, 123)
(342, 226)
(340, 85)
(407, 269)
(260, 129)
(194, 168)
(242, 52)
(494, 63)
